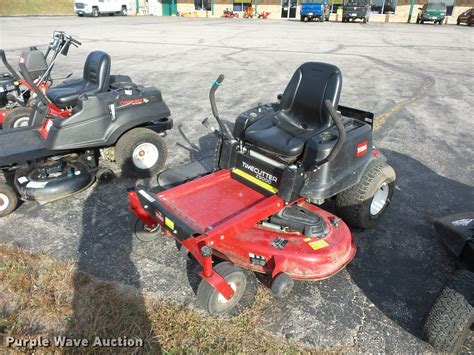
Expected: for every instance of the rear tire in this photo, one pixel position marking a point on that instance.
(363, 204)
(448, 323)
(141, 152)
(418, 20)
(302, 18)
(8, 200)
(124, 11)
(18, 117)
(458, 22)
(440, 22)
(244, 285)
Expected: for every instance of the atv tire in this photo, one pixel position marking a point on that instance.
(8, 200)
(364, 203)
(141, 152)
(447, 325)
(18, 117)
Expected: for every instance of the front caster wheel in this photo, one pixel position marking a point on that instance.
(8, 200)
(244, 286)
(144, 233)
(282, 285)
(104, 175)
(141, 152)
(363, 204)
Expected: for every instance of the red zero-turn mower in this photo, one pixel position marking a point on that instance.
(258, 209)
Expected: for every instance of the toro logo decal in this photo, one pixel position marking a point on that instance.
(131, 102)
(362, 148)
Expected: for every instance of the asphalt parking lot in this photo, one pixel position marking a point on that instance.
(415, 78)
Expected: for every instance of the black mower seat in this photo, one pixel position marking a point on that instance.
(95, 79)
(302, 113)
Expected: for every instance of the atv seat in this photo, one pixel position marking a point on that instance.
(302, 113)
(95, 80)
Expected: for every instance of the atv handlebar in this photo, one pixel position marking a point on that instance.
(340, 129)
(75, 41)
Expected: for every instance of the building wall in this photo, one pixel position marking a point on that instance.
(274, 7)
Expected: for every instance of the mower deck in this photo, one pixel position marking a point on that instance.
(218, 211)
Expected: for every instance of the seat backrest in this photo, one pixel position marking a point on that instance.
(97, 71)
(302, 102)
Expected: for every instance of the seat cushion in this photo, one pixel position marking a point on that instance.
(63, 97)
(271, 134)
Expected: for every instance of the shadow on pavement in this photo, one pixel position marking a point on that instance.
(401, 265)
(102, 309)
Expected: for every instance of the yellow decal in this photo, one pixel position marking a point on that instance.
(307, 239)
(319, 244)
(255, 180)
(169, 223)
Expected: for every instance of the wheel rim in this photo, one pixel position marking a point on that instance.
(4, 202)
(21, 122)
(145, 156)
(380, 199)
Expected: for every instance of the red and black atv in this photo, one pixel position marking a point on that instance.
(230, 14)
(16, 94)
(259, 208)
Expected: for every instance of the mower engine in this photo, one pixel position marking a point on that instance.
(8, 85)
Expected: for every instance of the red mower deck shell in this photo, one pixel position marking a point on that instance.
(223, 213)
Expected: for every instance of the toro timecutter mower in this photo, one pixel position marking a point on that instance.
(259, 209)
(120, 122)
(16, 94)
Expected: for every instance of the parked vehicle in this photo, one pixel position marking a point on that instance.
(466, 17)
(99, 7)
(432, 12)
(260, 209)
(15, 93)
(230, 14)
(356, 9)
(312, 9)
(75, 124)
(450, 321)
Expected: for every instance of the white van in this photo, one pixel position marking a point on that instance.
(98, 7)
